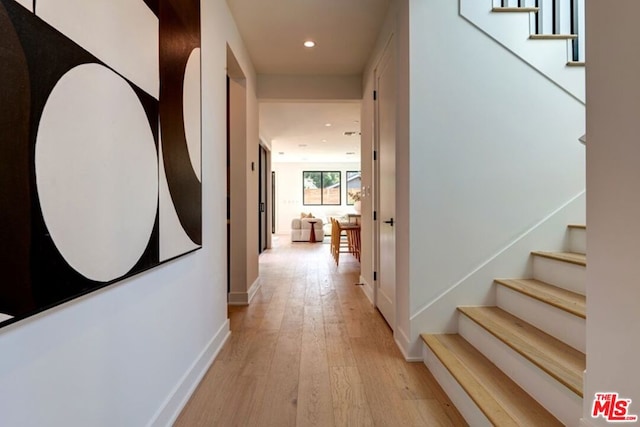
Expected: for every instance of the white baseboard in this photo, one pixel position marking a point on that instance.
(244, 298)
(367, 289)
(179, 396)
(404, 344)
(254, 289)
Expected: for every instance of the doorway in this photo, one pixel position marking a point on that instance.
(263, 178)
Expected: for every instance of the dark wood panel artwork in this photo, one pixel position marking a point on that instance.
(34, 57)
(178, 17)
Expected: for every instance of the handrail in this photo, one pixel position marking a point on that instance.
(555, 17)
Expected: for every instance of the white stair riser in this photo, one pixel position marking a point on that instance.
(564, 326)
(467, 408)
(555, 397)
(578, 240)
(562, 274)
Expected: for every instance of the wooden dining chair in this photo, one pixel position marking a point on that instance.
(345, 238)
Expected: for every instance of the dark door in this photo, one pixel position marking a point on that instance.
(262, 192)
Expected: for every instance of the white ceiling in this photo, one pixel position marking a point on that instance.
(345, 33)
(273, 31)
(298, 131)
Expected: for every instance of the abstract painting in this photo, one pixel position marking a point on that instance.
(100, 144)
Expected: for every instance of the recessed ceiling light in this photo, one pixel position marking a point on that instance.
(324, 140)
(309, 43)
(327, 124)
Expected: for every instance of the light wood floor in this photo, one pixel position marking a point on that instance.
(311, 351)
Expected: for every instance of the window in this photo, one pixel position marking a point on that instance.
(354, 183)
(321, 188)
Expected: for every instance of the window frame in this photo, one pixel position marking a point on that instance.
(322, 188)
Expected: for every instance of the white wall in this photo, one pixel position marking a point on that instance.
(238, 186)
(289, 192)
(128, 355)
(493, 150)
(244, 141)
(613, 202)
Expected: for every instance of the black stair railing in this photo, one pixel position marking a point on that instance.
(556, 17)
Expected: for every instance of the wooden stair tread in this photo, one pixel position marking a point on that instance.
(578, 226)
(571, 257)
(553, 36)
(499, 398)
(516, 9)
(563, 299)
(556, 358)
(576, 64)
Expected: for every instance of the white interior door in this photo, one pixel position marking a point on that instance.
(386, 183)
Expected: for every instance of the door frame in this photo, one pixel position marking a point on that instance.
(269, 200)
(376, 177)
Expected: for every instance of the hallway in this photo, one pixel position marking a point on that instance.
(311, 351)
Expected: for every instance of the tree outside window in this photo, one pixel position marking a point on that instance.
(354, 184)
(321, 188)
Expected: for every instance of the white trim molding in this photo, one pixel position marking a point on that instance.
(244, 298)
(179, 396)
(367, 289)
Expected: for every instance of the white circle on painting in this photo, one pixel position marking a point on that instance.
(97, 172)
(192, 111)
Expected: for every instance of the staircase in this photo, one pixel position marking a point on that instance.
(549, 35)
(521, 362)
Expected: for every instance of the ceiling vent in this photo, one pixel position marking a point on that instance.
(351, 133)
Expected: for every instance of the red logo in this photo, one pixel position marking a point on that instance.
(612, 408)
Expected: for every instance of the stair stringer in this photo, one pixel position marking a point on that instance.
(514, 260)
(512, 30)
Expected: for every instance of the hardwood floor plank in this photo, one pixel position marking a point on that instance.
(314, 394)
(350, 405)
(259, 354)
(338, 345)
(279, 403)
(206, 403)
(429, 412)
(312, 351)
(273, 318)
(245, 396)
(384, 398)
(237, 347)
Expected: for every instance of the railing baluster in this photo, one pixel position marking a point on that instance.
(556, 17)
(581, 30)
(574, 29)
(538, 18)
